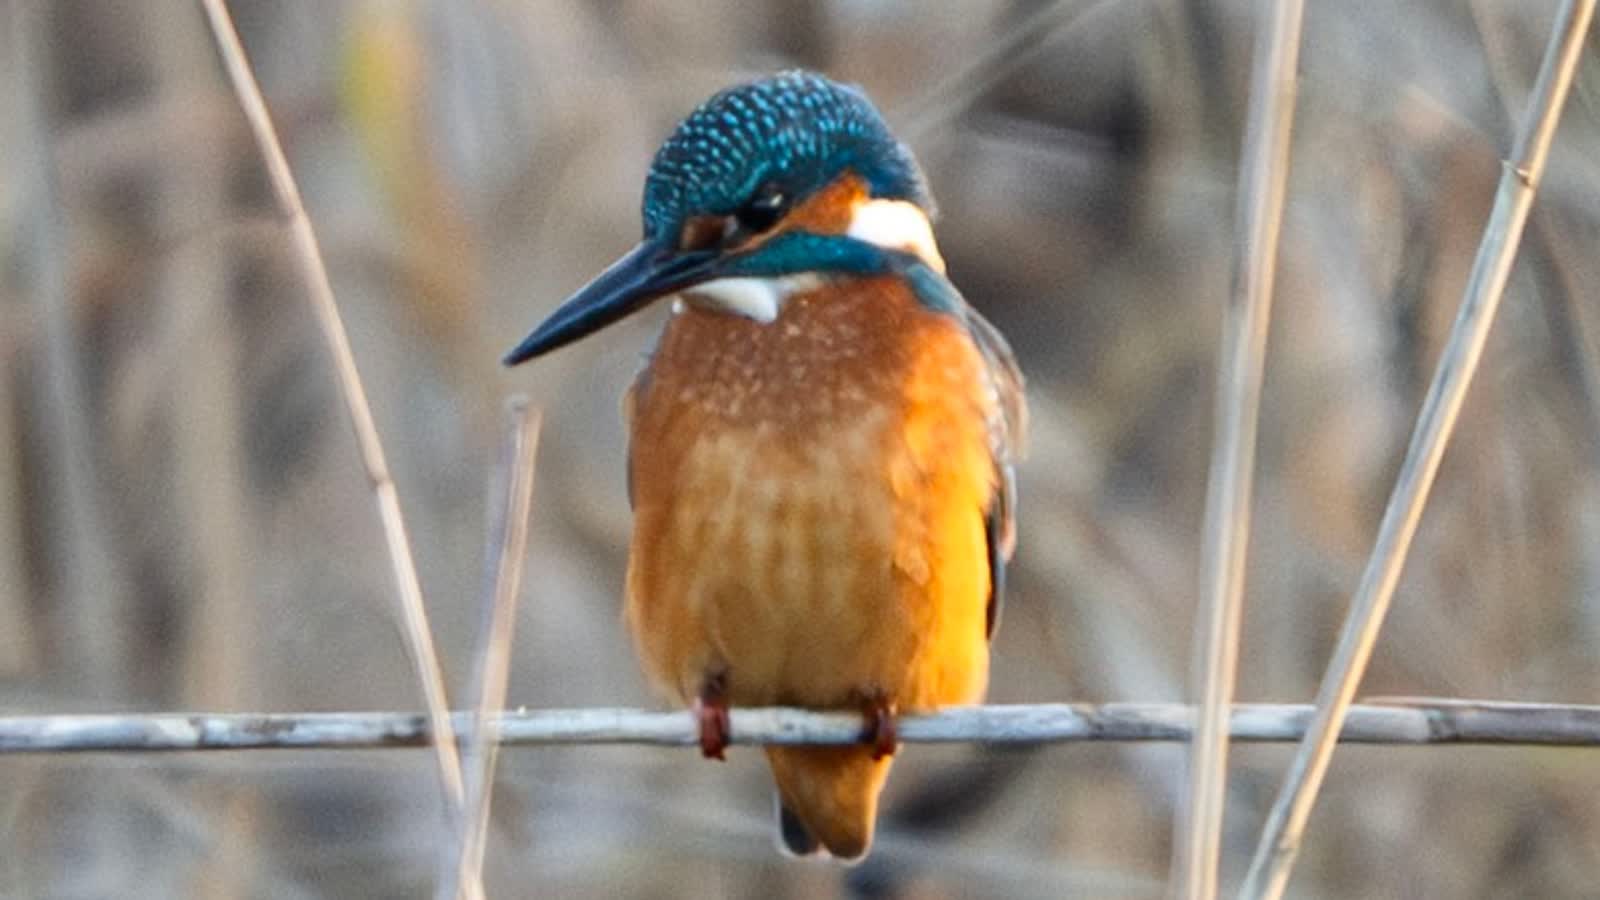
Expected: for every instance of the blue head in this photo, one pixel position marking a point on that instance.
(734, 206)
(793, 133)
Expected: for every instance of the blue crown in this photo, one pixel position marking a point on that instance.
(797, 130)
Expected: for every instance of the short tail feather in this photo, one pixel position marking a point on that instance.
(793, 836)
(827, 798)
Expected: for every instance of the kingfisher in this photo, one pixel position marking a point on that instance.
(821, 445)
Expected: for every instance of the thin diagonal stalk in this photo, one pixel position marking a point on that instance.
(508, 539)
(952, 94)
(1519, 181)
(1263, 177)
(413, 614)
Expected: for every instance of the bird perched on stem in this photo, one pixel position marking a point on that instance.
(821, 445)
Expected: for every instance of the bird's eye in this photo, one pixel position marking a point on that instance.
(763, 210)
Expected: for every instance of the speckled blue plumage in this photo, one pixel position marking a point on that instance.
(797, 129)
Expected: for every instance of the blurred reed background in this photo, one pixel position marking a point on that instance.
(184, 523)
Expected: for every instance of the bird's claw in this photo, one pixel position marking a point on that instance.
(711, 712)
(880, 732)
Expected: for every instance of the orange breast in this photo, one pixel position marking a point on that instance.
(809, 498)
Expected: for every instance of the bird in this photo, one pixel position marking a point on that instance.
(822, 445)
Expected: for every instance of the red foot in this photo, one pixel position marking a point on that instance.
(711, 711)
(880, 731)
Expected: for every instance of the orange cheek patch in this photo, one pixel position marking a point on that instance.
(701, 232)
(829, 210)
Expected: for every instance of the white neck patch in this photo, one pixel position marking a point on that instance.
(896, 225)
(760, 299)
(890, 224)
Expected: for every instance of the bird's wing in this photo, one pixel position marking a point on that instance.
(630, 405)
(1008, 427)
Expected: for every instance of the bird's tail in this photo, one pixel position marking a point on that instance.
(827, 796)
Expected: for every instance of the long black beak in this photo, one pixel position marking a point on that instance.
(648, 272)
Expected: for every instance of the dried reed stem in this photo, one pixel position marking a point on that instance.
(1414, 721)
(89, 592)
(413, 614)
(975, 73)
(1263, 176)
(508, 540)
(1285, 826)
(88, 581)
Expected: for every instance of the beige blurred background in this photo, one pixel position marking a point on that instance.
(184, 523)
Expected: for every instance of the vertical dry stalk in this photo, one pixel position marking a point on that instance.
(89, 586)
(1519, 181)
(19, 651)
(18, 643)
(1263, 175)
(206, 454)
(413, 615)
(508, 539)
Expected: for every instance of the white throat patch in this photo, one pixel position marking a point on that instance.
(760, 299)
(890, 224)
(896, 225)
